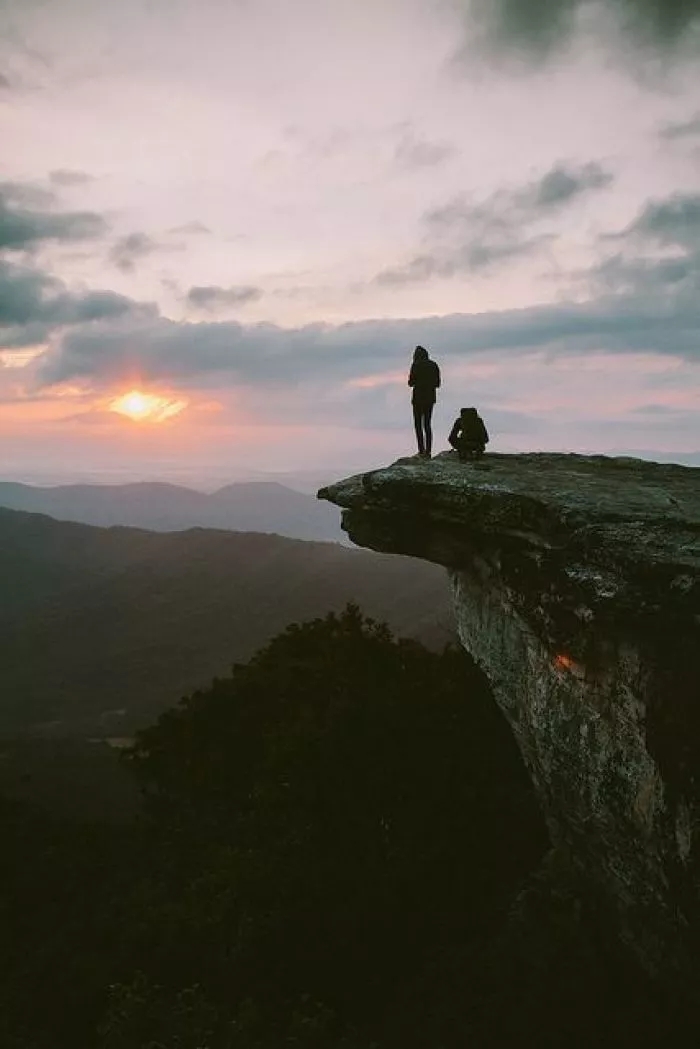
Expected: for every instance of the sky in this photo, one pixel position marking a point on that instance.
(225, 224)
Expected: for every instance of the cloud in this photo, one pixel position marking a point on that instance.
(131, 249)
(644, 303)
(414, 153)
(561, 186)
(26, 195)
(228, 353)
(659, 254)
(657, 409)
(670, 279)
(190, 228)
(682, 129)
(5, 84)
(671, 222)
(480, 253)
(24, 226)
(66, 177)
(134, 247)
(33, 304)
(212, 297)
(23, 294)
(462, 236)
(539, 27)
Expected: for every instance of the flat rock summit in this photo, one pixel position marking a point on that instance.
(576, 583)
(547, 498)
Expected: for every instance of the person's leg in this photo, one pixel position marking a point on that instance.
(428, 420)
(465, 449)
(418, 424)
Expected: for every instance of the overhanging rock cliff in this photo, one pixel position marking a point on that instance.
(577, 588)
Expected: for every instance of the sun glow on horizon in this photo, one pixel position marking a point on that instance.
(146, 407)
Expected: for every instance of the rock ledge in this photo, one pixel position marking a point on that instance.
(576, 582)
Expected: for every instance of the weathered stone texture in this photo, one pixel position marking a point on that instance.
(577, 588)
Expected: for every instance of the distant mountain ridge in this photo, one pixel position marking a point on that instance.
(247, 506)
(102, 628)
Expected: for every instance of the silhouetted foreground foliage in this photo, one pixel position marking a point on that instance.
(332, 844)
(325, 785)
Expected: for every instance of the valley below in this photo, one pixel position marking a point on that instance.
(103, 628)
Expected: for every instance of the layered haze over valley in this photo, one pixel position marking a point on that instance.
(255, 506)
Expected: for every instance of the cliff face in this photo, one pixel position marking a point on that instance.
(577, 588)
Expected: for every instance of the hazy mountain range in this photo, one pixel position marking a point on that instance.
(101, 628)
(253, 506)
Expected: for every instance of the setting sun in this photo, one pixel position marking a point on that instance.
(146, 407)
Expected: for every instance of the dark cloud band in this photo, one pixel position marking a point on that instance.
(23, 226)
(645, 303)
(540, 26)
(228, 353)
(212, 297)
(33, 304)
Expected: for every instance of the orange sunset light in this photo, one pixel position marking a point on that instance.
(146, 407)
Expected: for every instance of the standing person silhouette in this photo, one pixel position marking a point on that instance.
(424, 377)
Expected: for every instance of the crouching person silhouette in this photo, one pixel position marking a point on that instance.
(424, 377)
(469, 436)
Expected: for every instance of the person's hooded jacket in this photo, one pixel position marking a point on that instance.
(469, 428)
(424, 377)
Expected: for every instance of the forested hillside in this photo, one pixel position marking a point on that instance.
(339, 849)
(100, 629)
